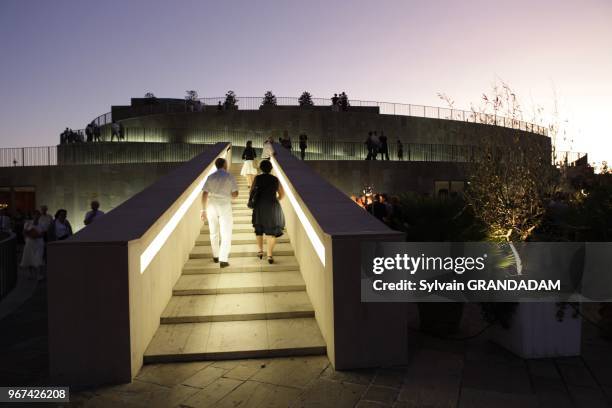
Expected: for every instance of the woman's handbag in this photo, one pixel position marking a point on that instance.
(253, 195)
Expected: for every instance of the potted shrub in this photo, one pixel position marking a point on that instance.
(231, 102)
(269, 100)
(535, 330)
(305, 100)
(438, 219)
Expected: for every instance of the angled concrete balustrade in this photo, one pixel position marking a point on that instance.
(326, 230)
(109, 284)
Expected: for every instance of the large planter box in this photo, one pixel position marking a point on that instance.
(535, 332)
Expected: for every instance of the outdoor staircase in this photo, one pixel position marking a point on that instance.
(250, 309)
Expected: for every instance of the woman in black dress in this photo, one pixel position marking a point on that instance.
(268, 215)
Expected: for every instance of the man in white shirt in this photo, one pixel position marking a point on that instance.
(219, 189)
(93, 214)
(45, 219)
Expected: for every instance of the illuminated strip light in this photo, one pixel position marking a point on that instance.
(160, 239)
(310, 231)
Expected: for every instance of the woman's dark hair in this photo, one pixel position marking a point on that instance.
(249, 143)
(58, 212)
(265, 166)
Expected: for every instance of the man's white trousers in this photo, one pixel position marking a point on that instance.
(220, 223)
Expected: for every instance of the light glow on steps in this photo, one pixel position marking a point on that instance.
(160, 239)
(310, 231)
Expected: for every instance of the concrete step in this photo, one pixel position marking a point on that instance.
(242, 219)
(240, 306)
(240, 250)
(237, 229)
(239, 238)
(234, 340)
(239, 282)
(241, 264)
(241, 211)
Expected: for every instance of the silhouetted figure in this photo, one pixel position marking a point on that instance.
(334, 101)
(303, 145)
(400, 150)
(60, 228)
(377, 208)
(115, 131)
(5, 221)
(343, 101)
(96, 133)
(285, 140)
(376, 145)
(370, 146)
(219, 106)
(64, 136)
(93, 214)
(383, 147)
(89, 133)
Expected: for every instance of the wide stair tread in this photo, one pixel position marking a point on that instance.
(239, 250)
(239, 282)
(238, 238)
(237, 306)
(235, 340)
(241, 264)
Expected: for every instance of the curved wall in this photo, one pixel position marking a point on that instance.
(324, 124)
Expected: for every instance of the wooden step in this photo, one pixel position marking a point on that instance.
(239, 238)
(240, 306)
(241, 264)
(239, 282)
(235, 340)
(240, 250)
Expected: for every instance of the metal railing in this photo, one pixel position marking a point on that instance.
(385, 108)
(28, 156)
(566, 158)
(8, 263)
(145, 145)
(124, 153)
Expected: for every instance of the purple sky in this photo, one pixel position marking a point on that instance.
(65, 62)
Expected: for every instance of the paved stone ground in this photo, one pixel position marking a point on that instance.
(441, 373)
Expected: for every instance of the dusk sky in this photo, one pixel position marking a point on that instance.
(66, 62)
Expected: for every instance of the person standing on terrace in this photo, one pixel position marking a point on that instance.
(33, 251)
(93, 214)
(303, 145)
(219, 189)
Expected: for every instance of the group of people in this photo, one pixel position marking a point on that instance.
(386, 209)
(93, 133)
(71, 136)
(265, 191)
(39, 228)
(340, 102)
(285, 141)
(376, 145)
